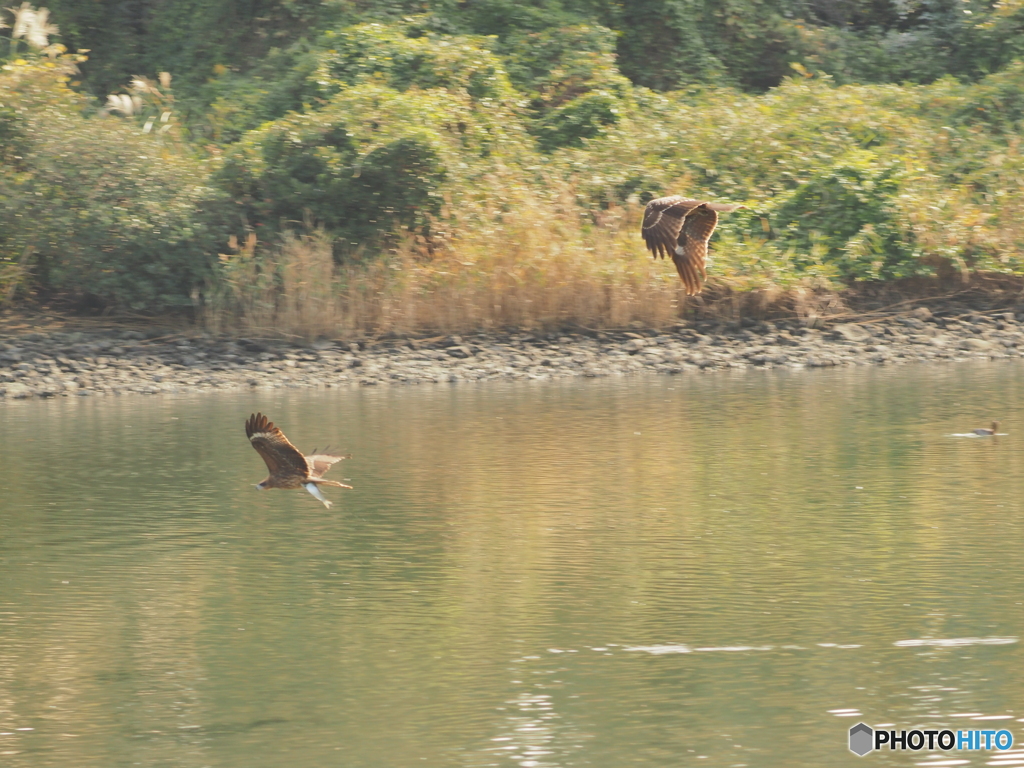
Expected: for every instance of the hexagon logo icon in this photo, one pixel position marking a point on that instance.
(862, 739)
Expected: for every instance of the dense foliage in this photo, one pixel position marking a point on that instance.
(661, 44)
(94, 208)
(462, 126)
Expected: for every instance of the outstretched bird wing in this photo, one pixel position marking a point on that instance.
(270, 443)
(319, 463)
(663, 220)
(681, 228)
(690, 256)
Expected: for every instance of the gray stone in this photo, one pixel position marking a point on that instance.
(851, 332)
(976, 345)
(17, 390)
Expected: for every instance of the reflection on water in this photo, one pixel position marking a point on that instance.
(703, 570)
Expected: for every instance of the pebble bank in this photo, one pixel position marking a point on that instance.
(61, 364)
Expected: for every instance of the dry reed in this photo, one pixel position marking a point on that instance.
(537, 266)
(507, 258)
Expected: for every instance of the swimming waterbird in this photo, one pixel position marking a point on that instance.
(982, 431)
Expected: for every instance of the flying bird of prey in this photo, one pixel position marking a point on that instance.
(288, 467)
(680, 228)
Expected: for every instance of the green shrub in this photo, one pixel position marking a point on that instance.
(848, 214)
(968, 40)
(387, 54)
(369, 164)
(996, 102)
(582, 118)
(669, 44)
(570, 78)
(93, 207)
(239, 102)
(396, 123)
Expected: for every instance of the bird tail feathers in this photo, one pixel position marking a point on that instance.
(688, 274)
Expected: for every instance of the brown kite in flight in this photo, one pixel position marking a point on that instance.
(680, 228)
(288, 467)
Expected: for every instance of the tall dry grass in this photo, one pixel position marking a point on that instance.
(521, 261)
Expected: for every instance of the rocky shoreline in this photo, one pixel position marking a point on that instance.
(86, 363)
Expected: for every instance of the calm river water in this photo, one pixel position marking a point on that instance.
(721, 570)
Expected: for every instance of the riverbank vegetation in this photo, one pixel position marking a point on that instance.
(318, 169)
